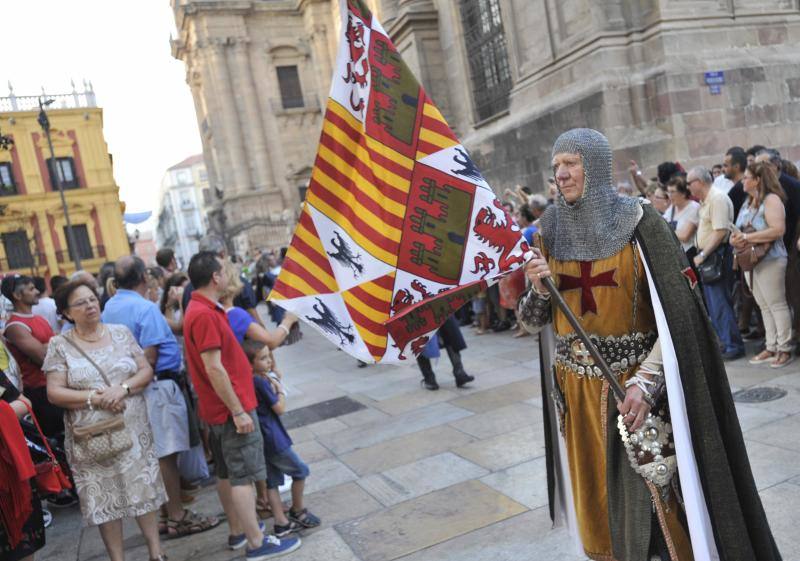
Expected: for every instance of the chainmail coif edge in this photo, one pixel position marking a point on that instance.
(600, 223)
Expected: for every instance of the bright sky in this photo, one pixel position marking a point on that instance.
(123, 48)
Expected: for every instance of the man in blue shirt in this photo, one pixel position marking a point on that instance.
(166, 405)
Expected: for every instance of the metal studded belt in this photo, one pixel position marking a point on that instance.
(620, 353)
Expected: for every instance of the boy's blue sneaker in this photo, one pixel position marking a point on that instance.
(273, 547)
(240, 540)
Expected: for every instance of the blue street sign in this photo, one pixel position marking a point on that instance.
(717, 77)
(715, 89)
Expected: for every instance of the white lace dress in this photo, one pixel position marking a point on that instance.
(128, 485)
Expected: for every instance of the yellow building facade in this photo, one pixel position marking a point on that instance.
(33, 238)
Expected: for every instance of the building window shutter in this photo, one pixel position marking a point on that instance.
(66, 173)
(289, 83)
(82, 240)
(18, 252)
(488, 60)
(7, 184)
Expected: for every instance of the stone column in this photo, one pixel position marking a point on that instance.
(268, 95)
(256, 146)
(208, 102)
(315, 18)
(230, 118)
(195, 80)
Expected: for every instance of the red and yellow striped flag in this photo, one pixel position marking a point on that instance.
(399, 228)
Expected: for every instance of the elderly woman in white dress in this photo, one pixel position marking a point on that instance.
(129, 483)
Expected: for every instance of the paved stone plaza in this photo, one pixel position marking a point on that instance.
(448, 475)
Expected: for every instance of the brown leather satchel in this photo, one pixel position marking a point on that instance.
(104, 439)
(751, 254)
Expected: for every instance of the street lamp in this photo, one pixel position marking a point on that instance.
(54, 172)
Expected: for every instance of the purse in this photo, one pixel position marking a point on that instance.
(711, 268)
(750, 255)
(50, 478)
(104, 439)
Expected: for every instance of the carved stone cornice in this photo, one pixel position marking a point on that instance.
(408, 21)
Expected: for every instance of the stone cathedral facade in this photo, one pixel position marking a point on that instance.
(664, 79)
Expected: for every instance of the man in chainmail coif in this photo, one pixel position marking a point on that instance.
(663, 474)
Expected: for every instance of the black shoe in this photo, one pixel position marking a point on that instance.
(462, 379)
(429, 384)
(732, 355)
(501, 326)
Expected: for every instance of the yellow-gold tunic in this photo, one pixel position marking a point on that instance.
(601, 293)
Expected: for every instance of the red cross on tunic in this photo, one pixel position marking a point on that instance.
(586, 282)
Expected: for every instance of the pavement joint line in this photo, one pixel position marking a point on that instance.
(746, 438)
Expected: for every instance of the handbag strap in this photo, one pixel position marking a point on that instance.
(69, 340)
(41, 434)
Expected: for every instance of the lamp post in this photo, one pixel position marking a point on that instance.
(54, 172)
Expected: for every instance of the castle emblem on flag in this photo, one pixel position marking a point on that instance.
(399, 227)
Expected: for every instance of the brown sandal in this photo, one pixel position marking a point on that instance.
(782, 360)
(191, 523)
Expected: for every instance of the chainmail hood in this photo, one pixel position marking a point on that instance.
(600, 223)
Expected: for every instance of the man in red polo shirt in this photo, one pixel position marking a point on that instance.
(223, 380)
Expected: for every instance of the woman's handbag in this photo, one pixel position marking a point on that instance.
(751, 254)
(50, 478)
(104, 439)
(711, 267)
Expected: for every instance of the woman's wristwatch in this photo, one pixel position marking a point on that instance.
(126, 387)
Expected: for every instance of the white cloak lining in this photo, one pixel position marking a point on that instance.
(699, 522)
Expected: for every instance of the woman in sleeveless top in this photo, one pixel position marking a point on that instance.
(764, 210)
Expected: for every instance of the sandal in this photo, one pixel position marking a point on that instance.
(191, 523)
(304, 518)
(782, 360)
(162, 557)
(762, 357)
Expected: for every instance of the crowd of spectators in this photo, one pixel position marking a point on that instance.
(174, 371)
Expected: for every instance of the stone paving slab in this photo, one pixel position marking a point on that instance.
(499, 421)
(341, 503)
(781, 502)
(505, 450)
(323, 545)
(483, 401)
(362, 437)
(525, 483)
(328, 473)
(419, 478)
(366, 416)
(525, 537)
(311, 451)
(414, 399)
(782, 433)
(772, 465)
(405, 449)
(752, 416)
(426, 521)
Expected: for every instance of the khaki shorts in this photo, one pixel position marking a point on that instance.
(238, 457)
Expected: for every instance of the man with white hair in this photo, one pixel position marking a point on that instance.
(716, 217)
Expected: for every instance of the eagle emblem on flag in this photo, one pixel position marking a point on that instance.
(399, 228)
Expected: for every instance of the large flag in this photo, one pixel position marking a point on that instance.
(399, 228)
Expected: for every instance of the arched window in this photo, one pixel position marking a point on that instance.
(485, 41)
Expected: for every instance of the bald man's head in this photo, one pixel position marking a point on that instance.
(84, 276)
(129, 272)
